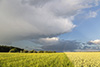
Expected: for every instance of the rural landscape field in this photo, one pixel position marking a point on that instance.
(49, 33)
(84, 59)
(34, 60)
(67, 59)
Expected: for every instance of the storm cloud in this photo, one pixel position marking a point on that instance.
(63, 46)
(57, 44)
(35, 19)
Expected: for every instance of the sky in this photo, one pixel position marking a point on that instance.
(59, 25)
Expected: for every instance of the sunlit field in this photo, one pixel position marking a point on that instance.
(85, 59)
(34, 60)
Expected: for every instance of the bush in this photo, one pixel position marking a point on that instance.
(35, 52)
(49, 51)
(45, 51)
(21, 51)
(54, 51)
(40, 51)
(32, 51)
(14, 50)
(25, 51)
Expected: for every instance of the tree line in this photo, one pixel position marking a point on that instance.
(12, 49)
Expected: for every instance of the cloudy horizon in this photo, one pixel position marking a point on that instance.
(60, 25)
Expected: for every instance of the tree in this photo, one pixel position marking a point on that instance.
(40, 51)
(45, 51)
(25, 51)
(54, 51)
(14, 50)
(49, 51)
(21, 51)
(32, 51)
(8, 48)
(35, 52)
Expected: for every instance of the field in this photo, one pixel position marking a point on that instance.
(85, 59)
(67, 59)
(34, 60)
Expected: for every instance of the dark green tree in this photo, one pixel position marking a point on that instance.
(25, 51)
(41, 51)
(14, 50)
(21, 51)
(32, 51)
(8, 48)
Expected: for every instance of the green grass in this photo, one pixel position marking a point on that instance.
(34, 60)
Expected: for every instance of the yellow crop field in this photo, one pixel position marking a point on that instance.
(84, 59)
(34, 60)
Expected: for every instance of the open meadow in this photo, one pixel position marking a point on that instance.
(84, 59)
(67, 59)
(34, 60)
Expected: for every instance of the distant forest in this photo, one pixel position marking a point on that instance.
(8, 48)
(19, 50)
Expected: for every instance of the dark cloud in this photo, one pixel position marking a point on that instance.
(56, 44)
(90, 43)
(86, 47)
(35, 19)
(62, 46)
(20, 21)
(36, 3)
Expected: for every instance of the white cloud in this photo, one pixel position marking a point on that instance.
(47, 41)
(97, 2)
(95, 41)
(50, 39)
(31, 19)
(92, 14)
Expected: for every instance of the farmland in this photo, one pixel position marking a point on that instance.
(67, 59)
(85, 59)
(34, 60)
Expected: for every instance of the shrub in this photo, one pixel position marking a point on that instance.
(14, 50)
(25, 51)
(21, 51)
(32, 51)
(49, 51)
(54, 51)
(45, 51)
(40, 51)
(35, 52)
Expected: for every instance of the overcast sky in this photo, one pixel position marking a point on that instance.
(60, 25)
